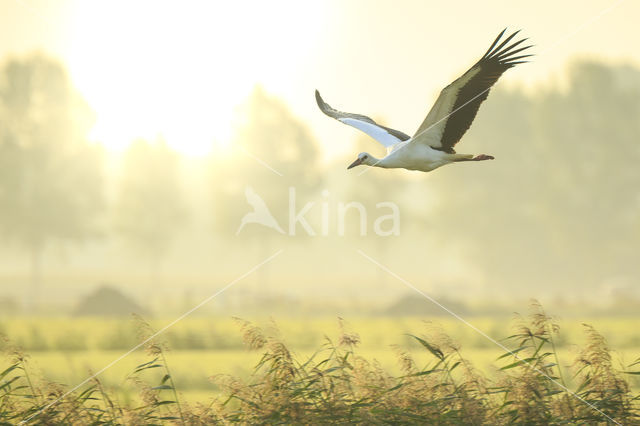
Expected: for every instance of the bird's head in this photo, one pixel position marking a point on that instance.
(363, 158)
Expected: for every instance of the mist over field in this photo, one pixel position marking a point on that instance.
(174, 207)
(555, 217)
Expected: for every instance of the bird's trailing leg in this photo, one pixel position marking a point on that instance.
(482, 157)
(470, 157)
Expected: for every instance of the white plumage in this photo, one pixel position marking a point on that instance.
(432, 145)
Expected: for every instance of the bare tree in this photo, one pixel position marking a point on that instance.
(51, 183)
(150, 209)
(274, 151)
(559, 207)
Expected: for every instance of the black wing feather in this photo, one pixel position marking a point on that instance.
(492, 65)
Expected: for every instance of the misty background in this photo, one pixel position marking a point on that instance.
(555, 217)
(132, 135)
(130, 132)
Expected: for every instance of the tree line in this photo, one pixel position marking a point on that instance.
(560, 204)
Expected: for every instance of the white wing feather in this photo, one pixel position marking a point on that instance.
(385, 135)
(376, 132)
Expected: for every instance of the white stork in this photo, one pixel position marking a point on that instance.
(449, 118)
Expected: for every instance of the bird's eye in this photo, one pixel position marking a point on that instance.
(365, 157)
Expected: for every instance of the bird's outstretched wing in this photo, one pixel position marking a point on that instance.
(385, 135)
(458, 103)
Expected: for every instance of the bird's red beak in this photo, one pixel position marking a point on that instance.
(355, 163)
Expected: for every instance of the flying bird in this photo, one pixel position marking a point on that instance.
(432, 145)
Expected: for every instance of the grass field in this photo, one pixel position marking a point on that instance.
(66, 351)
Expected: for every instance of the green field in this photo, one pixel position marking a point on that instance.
(319, 370)
(67, 350)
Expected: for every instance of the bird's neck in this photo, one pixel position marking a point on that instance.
(374, 162)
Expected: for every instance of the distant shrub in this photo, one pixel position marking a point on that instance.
(35, 340)
(71, 341)
(122, 337)
(108, 301)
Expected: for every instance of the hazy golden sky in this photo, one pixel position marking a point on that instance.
(180, 68)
